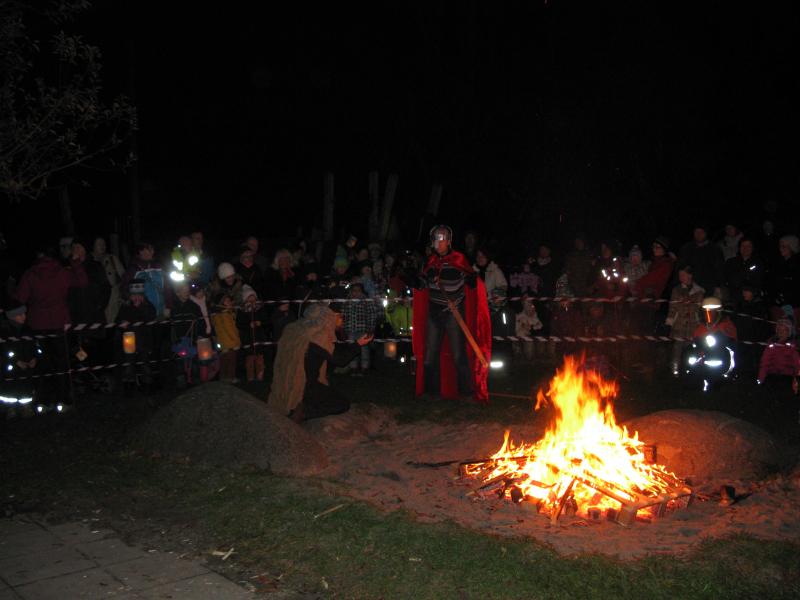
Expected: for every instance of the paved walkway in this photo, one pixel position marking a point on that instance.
(42, 562)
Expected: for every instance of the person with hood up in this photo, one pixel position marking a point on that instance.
(300, 387)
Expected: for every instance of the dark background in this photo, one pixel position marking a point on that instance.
(540, 119)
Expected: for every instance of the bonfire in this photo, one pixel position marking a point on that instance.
(586, 464)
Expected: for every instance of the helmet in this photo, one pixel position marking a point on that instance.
(441, 232)
(712, 310)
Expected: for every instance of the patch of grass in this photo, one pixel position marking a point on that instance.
(360, 552)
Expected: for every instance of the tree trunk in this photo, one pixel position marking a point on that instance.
(374, 222)
(134, 187)
(329, 202)
(66, 211)
(435, 199)
(388, 203)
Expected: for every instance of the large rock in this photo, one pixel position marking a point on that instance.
(708, 445)
(219, 424)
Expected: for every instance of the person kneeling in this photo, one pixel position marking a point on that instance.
(307, 347)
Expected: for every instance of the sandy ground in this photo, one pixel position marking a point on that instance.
(370, 452)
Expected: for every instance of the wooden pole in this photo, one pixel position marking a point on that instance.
(467, 333)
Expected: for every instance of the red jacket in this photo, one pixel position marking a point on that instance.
(779, 359)
(725, 327)
(655, 281)
(44, 288)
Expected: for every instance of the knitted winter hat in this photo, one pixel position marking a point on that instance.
(248, 291)
(225, 270)
(663, 242)
(635, 251)
(340, 261)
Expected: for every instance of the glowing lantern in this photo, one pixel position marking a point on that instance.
(390, 350)
(129, 342)
(205, 350)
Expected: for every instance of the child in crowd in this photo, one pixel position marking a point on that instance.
(527, 324)
(18, 361)
(251, 321)
(137, 309)
(360, 318)
(227, 337)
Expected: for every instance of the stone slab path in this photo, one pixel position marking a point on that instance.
(44, 562)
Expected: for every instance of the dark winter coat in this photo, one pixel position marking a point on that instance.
(252, 276)
(740, 272)
(248, 331)
(44, 288)
(785, 281)
(707, 264)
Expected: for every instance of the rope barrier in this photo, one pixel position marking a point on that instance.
(541, 339)
(125, 324)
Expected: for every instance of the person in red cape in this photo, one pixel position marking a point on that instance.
(446, 363)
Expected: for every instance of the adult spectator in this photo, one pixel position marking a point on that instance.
(248, 270)
(228, 283)
(654, 282)
(547, 269)
(113, 269)
(578, 265)
(749, 316)
(785, 275)
(144, 268)
(743, 269)
(206, 262)
(496, 293)
(44, 289)
(259, 260)
(706, 261)
(729, 244)
(281, 284)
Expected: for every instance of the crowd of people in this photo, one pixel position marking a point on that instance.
(221, 317)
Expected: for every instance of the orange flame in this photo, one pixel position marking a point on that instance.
(583, 450)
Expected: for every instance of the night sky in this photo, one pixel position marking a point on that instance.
(539, 119)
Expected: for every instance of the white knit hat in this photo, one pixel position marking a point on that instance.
(225, 270)
(248, 291)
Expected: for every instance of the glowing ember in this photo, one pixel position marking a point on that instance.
(585, 461)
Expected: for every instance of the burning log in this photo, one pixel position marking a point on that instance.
(567, 495)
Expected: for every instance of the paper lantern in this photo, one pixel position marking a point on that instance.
(129, 342)
(390, 350)
(205, 350)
